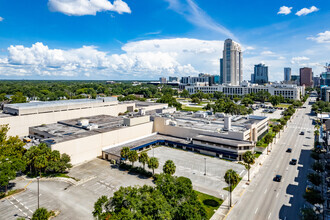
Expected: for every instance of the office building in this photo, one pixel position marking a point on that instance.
(287, 74)
(221, 71)
(288, 91)
(325, 76)
(325, 93)
(295, 79)
(232, 63)
(252, 78)
(316, 81)
(260, 74)
(306, 77)
(162, 80)
(173, 79)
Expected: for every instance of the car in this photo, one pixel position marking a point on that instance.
(302, 133)
(289, 150)
(293, 161)
(278, 178)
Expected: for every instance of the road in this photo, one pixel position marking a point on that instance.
(266, 199)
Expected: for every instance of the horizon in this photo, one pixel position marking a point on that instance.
(123, 39)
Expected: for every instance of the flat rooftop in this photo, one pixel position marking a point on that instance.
(211, 122)
(29, 105)
(70, 129)
(224, 141)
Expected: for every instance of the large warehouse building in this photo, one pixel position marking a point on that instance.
(85, 129)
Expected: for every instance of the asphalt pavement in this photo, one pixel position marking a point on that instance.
(266, 199)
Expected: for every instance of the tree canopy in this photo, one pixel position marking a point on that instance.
(172, 198)
(169, 167)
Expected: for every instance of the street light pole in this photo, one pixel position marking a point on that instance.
(38, 190)
(205, 166)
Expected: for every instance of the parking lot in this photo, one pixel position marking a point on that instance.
(274, 115)
(97, 178)
(192, 166)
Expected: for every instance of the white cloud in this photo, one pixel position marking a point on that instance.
(284, 10)
(321, 37)
(267, 53)
(87, 7)
(146, 59)
(1, 18)
(297, 60)
(306, 11)
(197, 16)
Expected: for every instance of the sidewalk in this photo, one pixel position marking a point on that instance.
(224, 210)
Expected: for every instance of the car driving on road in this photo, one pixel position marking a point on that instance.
(293, 161)
(278, 178)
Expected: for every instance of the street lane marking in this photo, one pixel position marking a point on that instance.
(241, 173)
(256, 211)
(277, 195)
(265, 191)
(269, 215)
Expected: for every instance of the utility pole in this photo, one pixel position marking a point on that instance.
(38, 190)
(205, 166)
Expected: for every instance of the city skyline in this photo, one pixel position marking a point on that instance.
(118, 40)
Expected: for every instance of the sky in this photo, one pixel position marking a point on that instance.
(148, 39)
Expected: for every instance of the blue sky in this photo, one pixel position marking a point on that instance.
(146, 39)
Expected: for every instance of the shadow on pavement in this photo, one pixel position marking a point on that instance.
(296, 192)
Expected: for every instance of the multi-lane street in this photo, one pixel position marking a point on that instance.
(266, 199)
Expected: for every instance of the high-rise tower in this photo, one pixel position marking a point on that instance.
(232, 63)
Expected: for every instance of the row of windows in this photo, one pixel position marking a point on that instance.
(224, 146)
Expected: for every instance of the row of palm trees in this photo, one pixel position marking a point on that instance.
(152, 162)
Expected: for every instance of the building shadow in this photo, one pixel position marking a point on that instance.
(296, 202)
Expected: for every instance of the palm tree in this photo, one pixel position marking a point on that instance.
(124, 153)
(153, 164)
(133, 156)
(144, 158)
(231, 178)
(248, 158)
(169, 167)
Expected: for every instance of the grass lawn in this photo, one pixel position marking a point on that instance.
(210, 203)
(283, 105)
(233, 186)
(11, 192)
(194, 109)
(257, 154)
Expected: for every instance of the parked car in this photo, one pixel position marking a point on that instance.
(289, 150)
(278, 178)
(302, 133)
(293, 161)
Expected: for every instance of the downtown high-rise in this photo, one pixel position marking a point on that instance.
(232, 63)
(287, 74)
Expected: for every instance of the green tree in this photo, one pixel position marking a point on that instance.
(268, 138)
(133, 156)
(124, 153)
(231, 178)
(196, 100)
(313, 197)
(99, 207)
(248, 158)
(153, 164)
(41, 214)
(7, 173)
(314, 178)
(144, 158)
(318, 166)
(169, 167)
(308, 214)
(184, 94)
(18, 97)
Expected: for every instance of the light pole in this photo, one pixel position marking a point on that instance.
(38, 177)
(205, 166)
(229, 190)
